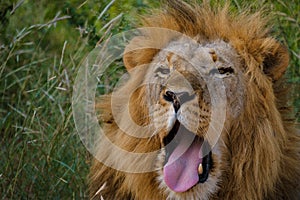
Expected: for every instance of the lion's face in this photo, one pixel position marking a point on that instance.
(186, 82)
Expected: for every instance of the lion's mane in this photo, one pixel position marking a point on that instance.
(260, 158)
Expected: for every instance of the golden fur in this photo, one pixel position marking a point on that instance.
(259, 149)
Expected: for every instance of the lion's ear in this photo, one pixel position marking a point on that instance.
(129, 60)
(275, 59)
(137, 52)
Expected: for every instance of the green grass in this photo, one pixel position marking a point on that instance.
(41, 47)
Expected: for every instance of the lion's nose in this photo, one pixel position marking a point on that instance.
(177, 98)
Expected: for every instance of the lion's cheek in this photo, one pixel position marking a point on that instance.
(163, 117)
(188, 116)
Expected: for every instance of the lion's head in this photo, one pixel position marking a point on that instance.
(206, 85)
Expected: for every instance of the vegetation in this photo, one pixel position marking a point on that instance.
(41, 47)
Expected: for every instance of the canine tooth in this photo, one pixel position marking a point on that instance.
(200, 169)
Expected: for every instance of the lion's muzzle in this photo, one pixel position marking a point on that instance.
(178, 98)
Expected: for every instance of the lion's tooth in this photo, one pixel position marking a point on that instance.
(200, 169)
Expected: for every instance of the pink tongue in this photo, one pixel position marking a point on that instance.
(181, 170)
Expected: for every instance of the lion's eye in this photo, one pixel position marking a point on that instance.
(222, 70)
(163, 70)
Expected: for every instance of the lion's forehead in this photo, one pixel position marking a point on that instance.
(189, 55)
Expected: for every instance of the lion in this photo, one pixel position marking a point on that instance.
(208, 86)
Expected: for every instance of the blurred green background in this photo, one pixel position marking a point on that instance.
(41, 46)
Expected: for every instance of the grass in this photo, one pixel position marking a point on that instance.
(42, 154)
(41, 46)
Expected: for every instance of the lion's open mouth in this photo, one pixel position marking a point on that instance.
(185, 165)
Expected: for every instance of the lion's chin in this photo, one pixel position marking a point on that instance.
(187, 160)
